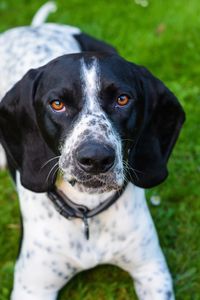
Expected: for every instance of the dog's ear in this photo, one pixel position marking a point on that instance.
(163, 118)
(89, 43)
(25, 147)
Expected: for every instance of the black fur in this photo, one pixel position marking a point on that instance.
(21, 138)
(91, 44)
(163, 119)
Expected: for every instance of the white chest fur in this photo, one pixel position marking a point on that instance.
(111, 232)
(123, 235)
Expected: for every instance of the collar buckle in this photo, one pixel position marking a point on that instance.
(86, 227)
(70, 210)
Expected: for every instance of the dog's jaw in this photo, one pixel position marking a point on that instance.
(86, 198)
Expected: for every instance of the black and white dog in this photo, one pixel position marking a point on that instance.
(83, 134)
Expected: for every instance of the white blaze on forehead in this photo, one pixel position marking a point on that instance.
(90, 75)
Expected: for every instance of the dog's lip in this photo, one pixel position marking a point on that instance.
(91, 183)
(94, 183)
(98, 186)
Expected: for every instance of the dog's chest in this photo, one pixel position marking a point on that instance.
(57, 239)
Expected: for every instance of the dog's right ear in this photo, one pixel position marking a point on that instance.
(20, 136)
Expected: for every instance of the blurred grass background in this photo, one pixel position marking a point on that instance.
(163, 36)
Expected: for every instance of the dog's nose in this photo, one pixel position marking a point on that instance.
(95, 158)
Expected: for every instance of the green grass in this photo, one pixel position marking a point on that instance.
(165, 38)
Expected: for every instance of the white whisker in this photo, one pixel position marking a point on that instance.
(51, 171)
(127, 140)
(54, 174)
(128, 168)
(56, 157)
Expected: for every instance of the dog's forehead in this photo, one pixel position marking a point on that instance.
(86, 76)
(74, 67)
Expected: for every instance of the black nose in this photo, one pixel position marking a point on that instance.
(95, 158)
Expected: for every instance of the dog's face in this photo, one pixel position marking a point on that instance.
(98, 118)
(87, 111)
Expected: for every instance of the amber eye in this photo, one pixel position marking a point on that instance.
(122, 100)
(58, 105)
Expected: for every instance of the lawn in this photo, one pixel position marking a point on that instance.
(163, 36)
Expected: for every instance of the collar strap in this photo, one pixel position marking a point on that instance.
(69, 209)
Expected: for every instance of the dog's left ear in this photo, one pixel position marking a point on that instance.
(163, 119)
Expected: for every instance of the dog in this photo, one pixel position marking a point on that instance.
(84, 132)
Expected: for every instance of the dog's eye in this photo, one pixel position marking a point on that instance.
(58, 105)
(123, 100)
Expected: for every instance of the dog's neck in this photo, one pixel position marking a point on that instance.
(90, 200)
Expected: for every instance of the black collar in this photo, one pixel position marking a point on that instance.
(69, 209)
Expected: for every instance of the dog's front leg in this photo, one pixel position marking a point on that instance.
(142, 256)
(43, 266)
(149, 271)
(24, 290)
(151, 276)
(37, 276)
(153, 281)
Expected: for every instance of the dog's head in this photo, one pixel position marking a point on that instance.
(97, 118)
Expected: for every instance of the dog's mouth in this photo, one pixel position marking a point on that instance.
(94, 184)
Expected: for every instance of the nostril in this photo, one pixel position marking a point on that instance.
(108, 162)
(95, 158)
(86, 161)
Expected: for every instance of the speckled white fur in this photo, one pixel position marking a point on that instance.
(24, 48)
(54, 248)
